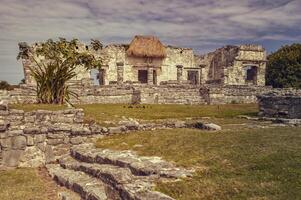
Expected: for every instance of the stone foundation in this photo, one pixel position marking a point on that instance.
(281, 104)
(167, 93)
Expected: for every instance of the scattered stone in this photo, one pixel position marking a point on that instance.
(212, 127)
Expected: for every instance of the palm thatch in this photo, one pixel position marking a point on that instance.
(146, 46)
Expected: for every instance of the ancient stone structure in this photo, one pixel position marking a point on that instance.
(281, 104)
(147, 61)
(31, 139)
(146, 71)
(107, 174)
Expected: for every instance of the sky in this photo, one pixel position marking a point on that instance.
(203, 25)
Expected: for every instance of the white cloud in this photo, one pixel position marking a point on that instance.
(203, 25)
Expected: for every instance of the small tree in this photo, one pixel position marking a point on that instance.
(55, 62)
(284, 67)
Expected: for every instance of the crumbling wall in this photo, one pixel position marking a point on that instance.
(248, 55)
(30, 139)
(228, 94)
(228, 65)
(281, 104)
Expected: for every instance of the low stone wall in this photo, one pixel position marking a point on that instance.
(233, 93)
(281, 104)
(148, 94)
(33, 138)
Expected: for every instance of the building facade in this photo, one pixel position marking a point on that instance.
(147, 61)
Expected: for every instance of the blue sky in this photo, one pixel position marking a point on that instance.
(203, 25)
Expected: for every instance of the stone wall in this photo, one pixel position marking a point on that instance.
(167, 93)
(281, 104)
(233, 93)
(229, 65)
(29, 139)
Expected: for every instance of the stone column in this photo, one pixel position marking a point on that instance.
(179, 73)
(119, 72)
(150, 78)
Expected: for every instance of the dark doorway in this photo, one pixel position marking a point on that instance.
(101, 77)
(251, 74)
(155, 77)
(142, 76)
(193, 77)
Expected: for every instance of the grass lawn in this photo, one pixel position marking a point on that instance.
(24, 184)
(112, 113)
(237, 164)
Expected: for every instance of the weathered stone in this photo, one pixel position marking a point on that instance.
(3, 105)
(213, 127)
(11, 158)
(30, 140)
(19, 142)
(39, 138)
(86, 186)
(32, 130)
(49, 155)
(32, 157)
(115, 130)
(77, 140)
(6, 142)
(80, 131)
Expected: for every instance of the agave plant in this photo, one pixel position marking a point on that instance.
(56, 68)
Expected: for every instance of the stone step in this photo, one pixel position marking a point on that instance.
(123, 182)
(87, 187)
(139, 165)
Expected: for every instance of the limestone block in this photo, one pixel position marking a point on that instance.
(11, 158)
(77, 140)
(39, 138)
(3, 105)
(30, 140)
(49, 154)
(19, 142)
(32, 157)
(6, 143)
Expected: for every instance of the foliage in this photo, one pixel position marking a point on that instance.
(5, 86)
(96, 45)
(284, 67)
(55, 63)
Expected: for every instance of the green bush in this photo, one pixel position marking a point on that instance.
(284, 67)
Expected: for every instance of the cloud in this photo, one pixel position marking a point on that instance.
(202, 25)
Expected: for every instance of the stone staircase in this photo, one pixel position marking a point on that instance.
(97, 174)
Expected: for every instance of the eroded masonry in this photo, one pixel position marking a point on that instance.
(146, 71)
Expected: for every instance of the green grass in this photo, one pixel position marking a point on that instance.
(237, 164)
(22, 184)
(114, 112)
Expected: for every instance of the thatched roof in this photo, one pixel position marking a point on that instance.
(146, 46)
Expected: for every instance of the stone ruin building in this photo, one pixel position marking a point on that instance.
(147, 71)
(147, 61)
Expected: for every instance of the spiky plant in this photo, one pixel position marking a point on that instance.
(55, 62)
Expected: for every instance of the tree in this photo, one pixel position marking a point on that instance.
(5, 86)
(55, 62)
(284, 67)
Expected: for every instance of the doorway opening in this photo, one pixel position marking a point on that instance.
(98, 76)
(251, 74)
(193, 77)
(155, 77)
(142, 76)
